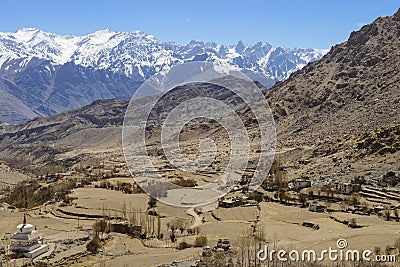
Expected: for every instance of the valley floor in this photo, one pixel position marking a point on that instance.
(282, 225)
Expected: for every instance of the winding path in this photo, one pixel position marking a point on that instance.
(198, 219)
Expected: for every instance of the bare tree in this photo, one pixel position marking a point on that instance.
(248, 245)
(387, 213)
(158, 227)
(302, 199)
(396, 213)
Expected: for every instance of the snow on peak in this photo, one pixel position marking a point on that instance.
(99, 37)
(27, 30)
(141, 53)
(26, 34)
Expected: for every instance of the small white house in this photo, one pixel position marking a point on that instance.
(298, 184)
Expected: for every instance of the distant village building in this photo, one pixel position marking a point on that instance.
(298, 184)
(223, 244)
(269, 184)
(28, 242)
(343, 188)
(230, 203)
(124, 228)
(316, 207)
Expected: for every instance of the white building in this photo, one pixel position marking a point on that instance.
(298, 184)
(27, 241)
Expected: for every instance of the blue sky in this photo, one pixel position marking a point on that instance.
(318, 24)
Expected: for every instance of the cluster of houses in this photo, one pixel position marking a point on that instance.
(339, 187)
(237, 201)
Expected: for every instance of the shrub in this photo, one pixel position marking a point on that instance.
(185, 182)
(183, 245)
(152, 202)
(100, 226)
(200, 241)
(93, 245)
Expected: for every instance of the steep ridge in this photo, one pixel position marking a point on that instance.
(354, 88)
(342, 113)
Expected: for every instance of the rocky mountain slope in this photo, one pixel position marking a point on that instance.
(344, 106)
(354, 88)
(336, 118)
(44, 73)
(94, 126)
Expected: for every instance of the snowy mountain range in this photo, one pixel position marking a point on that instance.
(44, 73)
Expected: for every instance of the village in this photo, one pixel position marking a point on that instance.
(83, 215)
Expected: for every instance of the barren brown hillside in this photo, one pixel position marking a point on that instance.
(353, 91)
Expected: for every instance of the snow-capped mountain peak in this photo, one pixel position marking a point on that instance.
(142, 54)
(48, 73)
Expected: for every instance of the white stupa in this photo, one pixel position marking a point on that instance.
(28, 241)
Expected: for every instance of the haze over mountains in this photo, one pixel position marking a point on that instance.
(43, 73)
